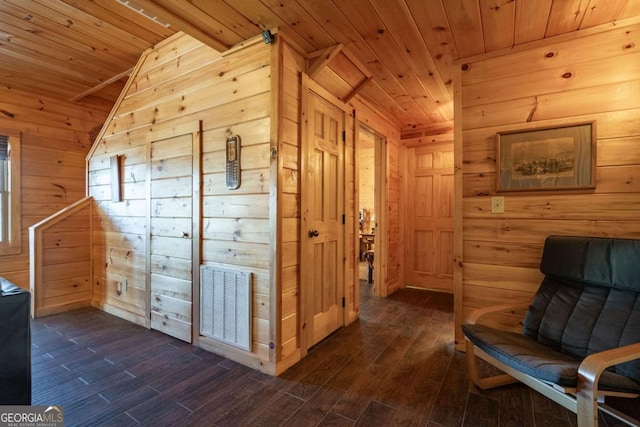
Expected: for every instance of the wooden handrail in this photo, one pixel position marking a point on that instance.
(36, 250)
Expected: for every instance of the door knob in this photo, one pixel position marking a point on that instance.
(313, 233)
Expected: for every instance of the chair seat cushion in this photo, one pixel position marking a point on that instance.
(538, 360)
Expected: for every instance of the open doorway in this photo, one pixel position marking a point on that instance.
(371, 171)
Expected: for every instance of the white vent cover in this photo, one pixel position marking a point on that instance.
(225, 305)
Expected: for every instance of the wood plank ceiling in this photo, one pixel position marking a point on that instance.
(81, 50)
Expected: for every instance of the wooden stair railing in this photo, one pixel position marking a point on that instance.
(60, 260)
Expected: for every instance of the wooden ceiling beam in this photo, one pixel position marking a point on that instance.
(357, 89)
(102, 85)
(321, 58)
(181, 24)
(317, 61)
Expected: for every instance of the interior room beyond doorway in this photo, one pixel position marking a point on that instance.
(368, 141)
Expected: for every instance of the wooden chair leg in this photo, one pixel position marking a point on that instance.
(483, 383)
(587, 404)
(472, 363)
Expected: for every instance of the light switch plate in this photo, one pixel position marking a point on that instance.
(497, 205)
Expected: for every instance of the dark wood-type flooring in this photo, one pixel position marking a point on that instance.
(395, 366)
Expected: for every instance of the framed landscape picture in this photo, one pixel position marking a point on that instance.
(549, 158)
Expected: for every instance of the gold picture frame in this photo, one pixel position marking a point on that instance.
(547, 158)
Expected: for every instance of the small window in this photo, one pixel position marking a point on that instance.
(10, 215)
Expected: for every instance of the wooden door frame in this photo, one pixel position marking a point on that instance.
(380, 288)
(308, 85)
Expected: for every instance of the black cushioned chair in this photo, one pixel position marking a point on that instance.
(581, 335)
(15, 345)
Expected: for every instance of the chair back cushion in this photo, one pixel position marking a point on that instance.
(589, 299)
(613, 263)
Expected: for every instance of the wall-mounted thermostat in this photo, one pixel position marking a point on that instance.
(233, 162)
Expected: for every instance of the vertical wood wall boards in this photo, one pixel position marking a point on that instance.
(591, 77)
(288, 153)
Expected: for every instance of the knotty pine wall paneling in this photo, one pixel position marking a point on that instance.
(54, 142)
(292, 64)
(177, 85)
(591, 77)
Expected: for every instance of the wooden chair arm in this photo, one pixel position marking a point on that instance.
(589, 373)
(476, 314)
(592, 366)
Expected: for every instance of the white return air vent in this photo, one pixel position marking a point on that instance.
(225, 305)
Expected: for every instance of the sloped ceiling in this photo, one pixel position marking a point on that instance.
(83, 49)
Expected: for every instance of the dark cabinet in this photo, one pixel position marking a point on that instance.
(15, 345)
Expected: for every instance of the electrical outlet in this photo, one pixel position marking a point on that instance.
(497, 205)
(124, 285)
